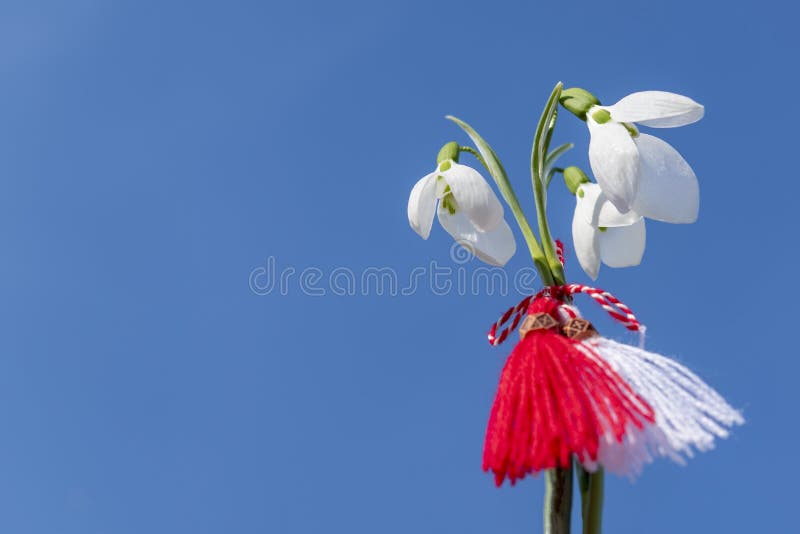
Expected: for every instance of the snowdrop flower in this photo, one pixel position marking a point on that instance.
(635, 170)
(467, 208)
(601, 233)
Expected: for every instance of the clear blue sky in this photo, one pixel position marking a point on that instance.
(153, 154)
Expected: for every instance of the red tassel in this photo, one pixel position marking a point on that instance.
(554, 401)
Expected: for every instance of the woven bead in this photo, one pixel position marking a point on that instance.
(579, 329)
(537, 321)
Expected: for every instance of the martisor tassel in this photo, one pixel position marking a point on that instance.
(689, 413)
(556, 399)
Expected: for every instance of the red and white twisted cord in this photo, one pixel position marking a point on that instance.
(516, 312)
(615, 307)
(501, 329)
(560, 251)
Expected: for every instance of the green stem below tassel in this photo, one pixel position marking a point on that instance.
(558, 500)
(558, 482)
(591, 486)
(593, 519)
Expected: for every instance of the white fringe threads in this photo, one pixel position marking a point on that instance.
(689, 413)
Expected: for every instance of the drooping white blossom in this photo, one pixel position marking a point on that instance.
(467, 208)
(668, 192)
(601, 233)
(638, 171)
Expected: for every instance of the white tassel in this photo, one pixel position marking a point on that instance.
(689, 413)
(638, 448)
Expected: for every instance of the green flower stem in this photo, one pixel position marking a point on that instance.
(583, 486)
(558, 500)
(550, 173)
(558, 482)
(591, 486)
(547, 241)
(490, 160)
(475, 153)
(541, 143)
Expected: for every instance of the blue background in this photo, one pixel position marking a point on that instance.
(153, 154)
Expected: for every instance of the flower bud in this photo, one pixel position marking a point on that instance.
(448, 152)
(578, 101)
(574, 177)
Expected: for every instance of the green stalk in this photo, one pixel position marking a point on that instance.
(591, 485)
(541, 144)
(476, 154)
(594, 520)
(490, 160)
(550, 160)
(558, 500)
(584, 483)
(558, 481)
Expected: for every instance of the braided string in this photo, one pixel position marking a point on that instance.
(611, 304)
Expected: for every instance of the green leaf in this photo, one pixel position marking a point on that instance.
(544, 131)
(541, 143)
(491, 160)
(557, 153)
(551, 160)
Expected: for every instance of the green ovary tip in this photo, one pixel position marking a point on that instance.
(448, 152)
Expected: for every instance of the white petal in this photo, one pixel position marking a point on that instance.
(422, 205)
(474, 196)
(596, 209)
(668, 188)
(622, 246)
(495, 247)
(615, 162)
(584, 238)
(657, 109)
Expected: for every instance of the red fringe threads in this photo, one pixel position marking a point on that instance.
(554, 401)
